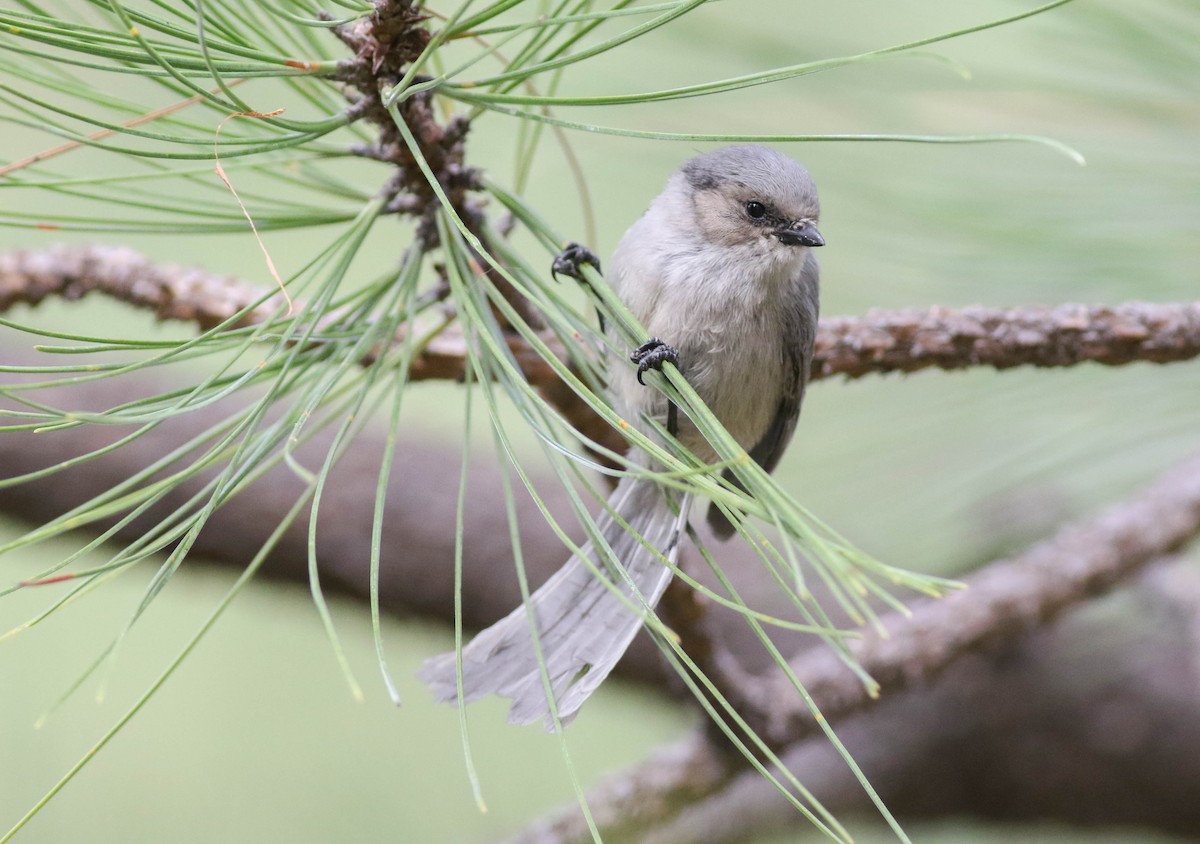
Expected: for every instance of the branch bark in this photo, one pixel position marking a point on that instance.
(880, 342)
(1050, 727)
(1001, 601)
(1063, 335)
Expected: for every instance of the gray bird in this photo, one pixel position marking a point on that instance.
(719, 266)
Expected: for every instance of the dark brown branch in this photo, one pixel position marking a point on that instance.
(1004, 601)
(1050, 728)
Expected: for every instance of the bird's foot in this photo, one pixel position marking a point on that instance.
(569, 261)
(652, 355)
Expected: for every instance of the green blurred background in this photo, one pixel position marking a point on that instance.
(257, 737)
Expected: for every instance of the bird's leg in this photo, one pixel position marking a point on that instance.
(652, 355)
(569, 261)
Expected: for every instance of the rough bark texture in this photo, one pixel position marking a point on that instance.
(880, 342)
(1002, 600)
(1063, 335)
(1092, 722)
(169, 291)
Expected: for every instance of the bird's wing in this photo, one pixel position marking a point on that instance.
(800, 333)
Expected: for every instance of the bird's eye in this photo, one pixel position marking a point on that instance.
(756, 209)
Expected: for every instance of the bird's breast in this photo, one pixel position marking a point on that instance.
(727, 324)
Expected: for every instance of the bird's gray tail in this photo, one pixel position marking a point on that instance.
(583, 627)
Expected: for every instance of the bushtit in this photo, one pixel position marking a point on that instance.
(720, 267)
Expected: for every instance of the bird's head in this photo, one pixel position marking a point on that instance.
(753, 199)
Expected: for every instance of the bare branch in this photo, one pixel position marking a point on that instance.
(186, 294)
(880, 342)
(1064, 335)
(1050, 727)
(170, 291)
(1003, 599)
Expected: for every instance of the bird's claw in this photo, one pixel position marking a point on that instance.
(573, 257)
(652, 355)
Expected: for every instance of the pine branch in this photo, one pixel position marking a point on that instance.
(880, 342)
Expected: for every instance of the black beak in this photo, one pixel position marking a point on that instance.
(802, 233)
